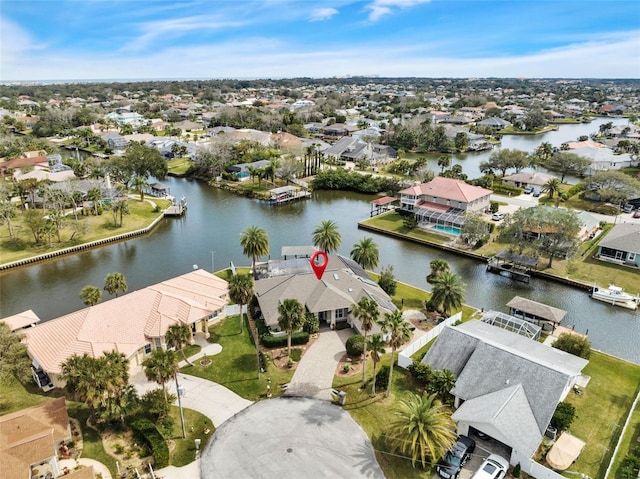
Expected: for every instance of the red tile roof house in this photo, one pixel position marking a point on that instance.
(133, 324)
(32, 439)
(443, 201)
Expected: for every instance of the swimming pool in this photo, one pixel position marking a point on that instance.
(450, 230)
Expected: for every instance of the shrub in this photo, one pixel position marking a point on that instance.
(311, 324)
(346, 368)
(146, 431)
(387, 281)
(296, 354)
(575, 189)
(421, 372)
(355, 345)
(563, 416)
(516, 470)
(572, 344)
(297, 338)
(382, 377)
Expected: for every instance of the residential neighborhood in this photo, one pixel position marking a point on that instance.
(528, 211)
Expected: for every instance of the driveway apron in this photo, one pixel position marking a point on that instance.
(313, 377)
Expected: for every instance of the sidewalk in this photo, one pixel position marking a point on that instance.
(211, 399)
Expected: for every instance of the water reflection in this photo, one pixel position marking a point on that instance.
(213, 224)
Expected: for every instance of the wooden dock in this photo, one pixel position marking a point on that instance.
(175, 210)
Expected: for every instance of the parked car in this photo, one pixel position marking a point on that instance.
(449, 466)
(528, 190)
(497, 216)
(628, 208)
(536, 193)
(493, 467)
(636, 214)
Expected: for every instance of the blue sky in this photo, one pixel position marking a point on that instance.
(136, 39)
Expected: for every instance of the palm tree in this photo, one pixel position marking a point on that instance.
(367, 312)
(377, 349)
(161, 366)
(290, 318)
(448, 292)
(94, 195)
(91, 295)
(365, 253)
(438, 266)
(178, 336)
(398, 329)
(255, 244)
(115, 282)
(139, 184)
(241, 291)
(326, 236)
(552, 188)
(545, 150)
(422, 428)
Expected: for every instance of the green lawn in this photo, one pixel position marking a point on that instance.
(393, 222)
(184, 451)
(92, 446)
(95, 227)
(236, 366)
(582, 267)
(602, 410)
(374, 415)
(178, 166)
(15, 396)
(629, 445)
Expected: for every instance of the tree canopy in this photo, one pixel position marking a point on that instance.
(14, 360)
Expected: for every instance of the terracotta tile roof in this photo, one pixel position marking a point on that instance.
(31, 435)
(126, 323)
(448, 188)
(21, 320)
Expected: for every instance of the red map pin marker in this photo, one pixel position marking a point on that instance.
(317, 266)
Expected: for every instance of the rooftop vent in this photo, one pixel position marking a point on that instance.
(335, 276)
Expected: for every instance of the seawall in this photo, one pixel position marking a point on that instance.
(470, 254)
(81, 247)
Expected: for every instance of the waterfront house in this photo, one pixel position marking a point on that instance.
(527, 178)
(494, 122)
(621, 245)
(133, 324)
(443, 201)
(33, 440)
(331, 299)
(499, 390)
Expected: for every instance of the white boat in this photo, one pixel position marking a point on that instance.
(616, 296)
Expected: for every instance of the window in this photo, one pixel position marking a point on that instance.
(147, 348)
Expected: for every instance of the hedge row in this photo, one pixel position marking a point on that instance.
(299, 337)
(506, 190)
(146, 431)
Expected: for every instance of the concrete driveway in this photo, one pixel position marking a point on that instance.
(313, 377)
(290, 438)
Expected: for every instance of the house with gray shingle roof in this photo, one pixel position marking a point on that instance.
(494, 122)
(621, 245)
(508, 386)
(331, 299)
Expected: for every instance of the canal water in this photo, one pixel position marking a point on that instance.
(209, 237)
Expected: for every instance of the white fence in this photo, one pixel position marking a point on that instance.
(539, 471)
(404, 357)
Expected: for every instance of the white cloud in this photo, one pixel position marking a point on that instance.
(610, 56)
(320, 14)
(380, 8)
(158, 30)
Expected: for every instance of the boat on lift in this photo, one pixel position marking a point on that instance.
(616, 296)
